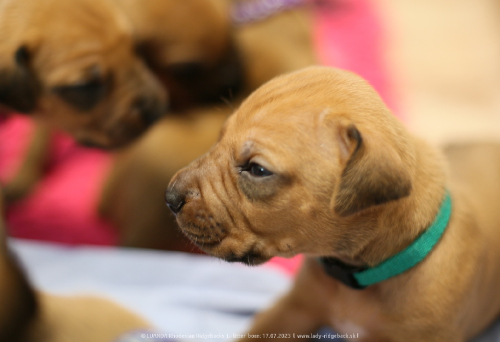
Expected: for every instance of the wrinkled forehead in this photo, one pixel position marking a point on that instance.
(301, 109)
(275, 131)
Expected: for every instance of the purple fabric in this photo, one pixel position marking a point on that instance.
(248, 11)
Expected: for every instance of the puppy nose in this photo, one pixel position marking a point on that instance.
(149, 109)
(175, 200)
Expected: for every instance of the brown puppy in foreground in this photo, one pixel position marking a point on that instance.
(313, 162)
(30, 316)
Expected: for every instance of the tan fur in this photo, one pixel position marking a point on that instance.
(85, 319)
(164, 21)
(301, 127)
(29, 316)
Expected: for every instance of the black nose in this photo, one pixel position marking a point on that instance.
(175, 201)
(150, 110)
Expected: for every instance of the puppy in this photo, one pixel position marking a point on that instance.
(74, 65)
(189, 46)
(399, 248)
(30, 316)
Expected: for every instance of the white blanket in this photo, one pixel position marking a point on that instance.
(179, 293)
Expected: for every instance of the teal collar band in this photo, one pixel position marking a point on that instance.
(360, 278)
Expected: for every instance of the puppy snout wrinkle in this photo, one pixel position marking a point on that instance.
(175, 200)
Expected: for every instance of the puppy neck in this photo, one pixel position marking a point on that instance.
(400, 222)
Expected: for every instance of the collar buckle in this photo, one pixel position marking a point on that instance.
(342, 272)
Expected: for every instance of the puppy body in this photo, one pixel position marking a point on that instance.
(314, 163)
(81, 318)
(28, 315)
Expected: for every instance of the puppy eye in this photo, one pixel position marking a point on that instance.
(257, 170)
(83, 96)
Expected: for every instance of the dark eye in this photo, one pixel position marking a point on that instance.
(257, 170)
(83, 96)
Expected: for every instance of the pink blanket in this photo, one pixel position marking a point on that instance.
(62, 208)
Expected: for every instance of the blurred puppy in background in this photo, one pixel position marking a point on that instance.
(82, 66)
(74, 65)
(189, 46)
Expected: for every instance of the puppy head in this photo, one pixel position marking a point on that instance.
(73, 64)
(305, 158)
(189, 45)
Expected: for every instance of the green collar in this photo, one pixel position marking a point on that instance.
(359, 277)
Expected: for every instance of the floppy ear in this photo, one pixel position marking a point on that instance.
(374, 173)
(19, 88)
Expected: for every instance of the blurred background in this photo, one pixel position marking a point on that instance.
(444, 58)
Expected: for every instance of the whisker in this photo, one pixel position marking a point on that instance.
(227, 102)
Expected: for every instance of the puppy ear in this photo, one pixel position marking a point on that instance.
(19, 88)
(374, 173)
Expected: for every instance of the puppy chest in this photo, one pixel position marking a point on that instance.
(355, 317)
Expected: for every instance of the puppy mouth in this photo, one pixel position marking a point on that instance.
(209, 238)
(210, 243)
(202, 241)
(204, 231)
